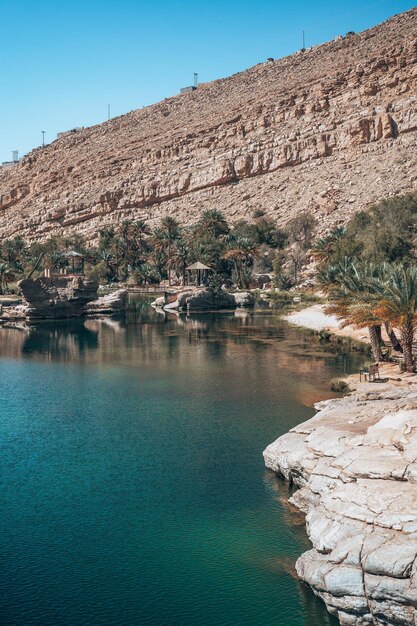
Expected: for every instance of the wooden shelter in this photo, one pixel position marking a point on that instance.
(198, 274)
(75, 262)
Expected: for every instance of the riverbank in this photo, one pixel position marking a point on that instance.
(355, 463)
(315, 318)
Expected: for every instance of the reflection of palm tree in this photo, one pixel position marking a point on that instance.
(6, 276)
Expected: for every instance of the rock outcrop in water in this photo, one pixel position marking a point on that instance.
(64, 297)
(355, 464)
(58, 297)
(330, 130)
(111, 304)
(204, 299)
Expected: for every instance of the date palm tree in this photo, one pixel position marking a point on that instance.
(242, 252)
(398, 305)
(6, 276)
(141, 231)
(171, 230)
(354, 294)
(180, 258)
(213, 223)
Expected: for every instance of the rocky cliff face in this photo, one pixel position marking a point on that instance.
(356, 465)
(330, 129)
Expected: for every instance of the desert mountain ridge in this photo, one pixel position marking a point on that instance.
(330, 129)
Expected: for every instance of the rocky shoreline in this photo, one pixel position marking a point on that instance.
(62, 297)
(203, 299)
(355, 463)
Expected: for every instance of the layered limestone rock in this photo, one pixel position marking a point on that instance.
(111, 304)
(58, 297)
(204, 299)
(330, 130)
(63, 297)
(355, 464)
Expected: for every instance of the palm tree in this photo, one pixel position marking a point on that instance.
(180, 258)
(14, 251)
(398, 305)
(324, 247)
(107, 258)
(213, 222)
(171, 229)
(354, 294)
(6, 276)
(140, 231)
(242, 252)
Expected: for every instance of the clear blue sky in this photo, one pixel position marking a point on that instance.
(63, 61)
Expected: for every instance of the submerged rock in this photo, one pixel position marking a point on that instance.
(355, 463)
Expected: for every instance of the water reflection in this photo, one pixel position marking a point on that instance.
(134, 445)
(148, 335)
(256, 345)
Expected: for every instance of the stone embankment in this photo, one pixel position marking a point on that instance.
(355, 464)
(330, 130)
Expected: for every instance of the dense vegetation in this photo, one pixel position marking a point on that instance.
(367, 269)
(137, 254)
(369, 274)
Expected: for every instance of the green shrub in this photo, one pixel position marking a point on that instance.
(340, 386)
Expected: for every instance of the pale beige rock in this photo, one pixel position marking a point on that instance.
(355, 464)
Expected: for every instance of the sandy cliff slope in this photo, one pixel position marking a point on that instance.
(330, 129)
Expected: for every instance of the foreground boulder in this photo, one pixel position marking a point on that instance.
(355, 463)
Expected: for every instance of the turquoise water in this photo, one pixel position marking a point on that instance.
(133, 490)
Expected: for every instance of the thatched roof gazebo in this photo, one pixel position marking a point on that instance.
(198, 274)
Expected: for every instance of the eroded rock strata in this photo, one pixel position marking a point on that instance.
(59, 297)
(63, 297)
(355, 464)
(330, 130)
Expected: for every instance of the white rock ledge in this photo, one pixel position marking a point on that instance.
(355, 463)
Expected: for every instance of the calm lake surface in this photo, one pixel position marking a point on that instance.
(133, 490)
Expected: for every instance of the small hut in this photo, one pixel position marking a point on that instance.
(198, 274)
(75, 262)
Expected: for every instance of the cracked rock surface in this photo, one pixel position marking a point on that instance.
(355, 463)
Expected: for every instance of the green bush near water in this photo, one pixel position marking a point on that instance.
(340, 386)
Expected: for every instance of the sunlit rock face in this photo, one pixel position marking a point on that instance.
(58, 297)
(330, 130)
(356, 465)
